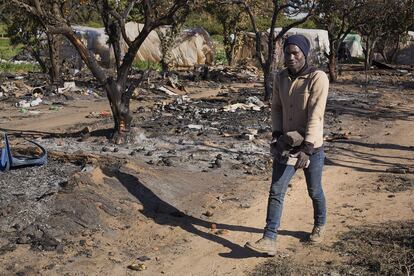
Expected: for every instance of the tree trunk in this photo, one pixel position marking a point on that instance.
(332, 66)
(394, 52)
(227, 44)
(164, 67)
(54, 56)
(119, 102)
(367, 51)
(230, 55)
(267, 83)
(37, 56)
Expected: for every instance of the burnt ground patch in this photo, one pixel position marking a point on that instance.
(25, 206)
(286, 265)
(54, 204)
(395, 183)
(381, 249)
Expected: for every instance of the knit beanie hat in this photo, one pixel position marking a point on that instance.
(299, 40)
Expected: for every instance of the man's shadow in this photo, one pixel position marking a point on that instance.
(164, 213)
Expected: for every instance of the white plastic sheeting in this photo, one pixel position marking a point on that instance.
(192, 47)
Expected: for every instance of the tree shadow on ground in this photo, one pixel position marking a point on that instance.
(376, 145)
(355, 107)
(347, 150)
(164, 213)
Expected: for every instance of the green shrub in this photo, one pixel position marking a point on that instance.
(217, 38)
(94, 24)
(220, 58)
(2, 30)
(145, 65)
(209, 23)
(6, 50)
(219, 47)
(10, 67)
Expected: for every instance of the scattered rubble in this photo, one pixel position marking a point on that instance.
(68, 87)
(59, 205)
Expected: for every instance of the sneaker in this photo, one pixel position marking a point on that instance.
(317, 234)
(264, 245)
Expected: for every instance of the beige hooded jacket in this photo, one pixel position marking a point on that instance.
(299, 104)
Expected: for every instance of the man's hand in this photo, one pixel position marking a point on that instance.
(303, 159)
(273, 147)
(273, 144)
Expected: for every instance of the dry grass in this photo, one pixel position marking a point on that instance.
(386, 249)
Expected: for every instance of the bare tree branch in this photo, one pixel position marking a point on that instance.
(28, 8)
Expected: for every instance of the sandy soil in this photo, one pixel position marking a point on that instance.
(183, 220)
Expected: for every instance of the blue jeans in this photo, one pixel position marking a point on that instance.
(281, 176)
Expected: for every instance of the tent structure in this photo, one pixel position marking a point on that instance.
(192, 47)
(404, 56)
(245, 50)
(354, 44)
(318, 39)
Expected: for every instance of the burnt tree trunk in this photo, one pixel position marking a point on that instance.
(229, 43)
(228, 48)
(335, 42)
(37, 56)
(119, 103)
(333, 59)
(54, 18)
(267, 62)
(267, 74)
(54, 57)
(367, 52)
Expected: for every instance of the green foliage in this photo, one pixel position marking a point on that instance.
(217, 38)
(218, 42)
(93, 24)
(6, 50)
(88, 15)
(146, 65)
(2, 30)
(220, 58)
(4, 43)
(309, 24)
(10, 67)
(262, 23)
(206, 21)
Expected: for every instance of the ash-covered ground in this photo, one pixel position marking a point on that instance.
(219, 128)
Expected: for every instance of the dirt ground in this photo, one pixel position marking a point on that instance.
(185, 196)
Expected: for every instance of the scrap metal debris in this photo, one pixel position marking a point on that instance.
(8, 161)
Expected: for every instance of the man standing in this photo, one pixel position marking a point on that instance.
(299, 99)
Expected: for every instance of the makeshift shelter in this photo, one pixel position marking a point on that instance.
(95, 40)
(245, 50)
(354, 45)
(406, 54)
(192, 47)
(318, 39)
